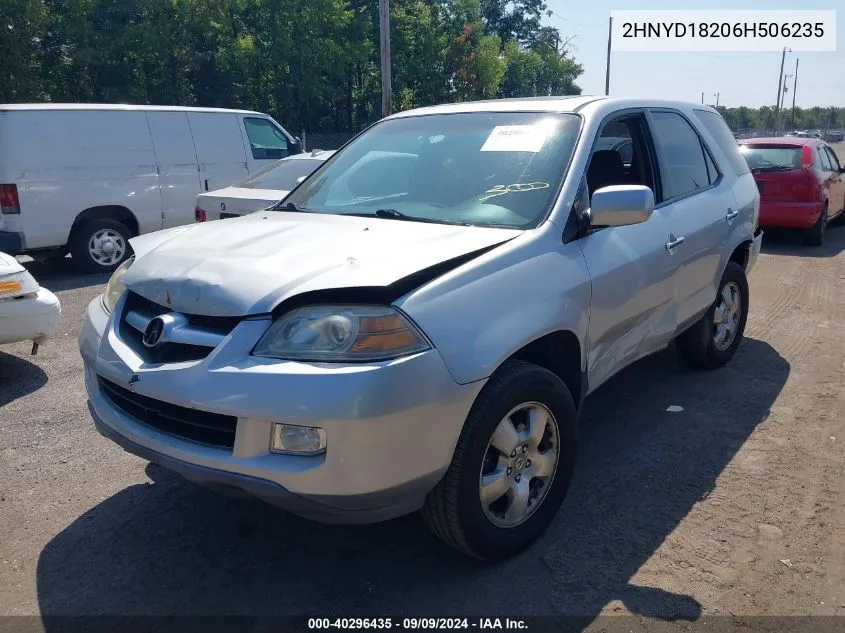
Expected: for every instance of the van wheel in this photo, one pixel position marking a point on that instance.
(512, 465)
(714, 338)
(815, 235)
(100, 246)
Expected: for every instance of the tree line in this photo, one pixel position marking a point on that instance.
(749, 119)
(312, 64)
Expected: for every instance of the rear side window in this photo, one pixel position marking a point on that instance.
(716, 125)
(265, 140)
(824, 159)
(684, 167)
(834, 160)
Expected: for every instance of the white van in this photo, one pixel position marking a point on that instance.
(85, 178)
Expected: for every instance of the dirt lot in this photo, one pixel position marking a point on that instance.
(735, 505)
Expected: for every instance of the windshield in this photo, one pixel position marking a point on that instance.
(284, 175)
(481, 168)
(772, 157)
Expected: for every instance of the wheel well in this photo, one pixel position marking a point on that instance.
(741, 253)
(560, 353)
(110, 212)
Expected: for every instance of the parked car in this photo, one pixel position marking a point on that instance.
(801, 182)
(426, 338)
(27, 311)
(86, 178)
(259, 191)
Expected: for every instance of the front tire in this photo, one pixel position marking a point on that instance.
(714, 339)
(100, 246)
(512, 466)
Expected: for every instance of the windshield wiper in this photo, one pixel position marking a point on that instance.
(288, 206)
(772, 168)
(393, 214)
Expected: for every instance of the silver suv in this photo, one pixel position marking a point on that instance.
(423, 335)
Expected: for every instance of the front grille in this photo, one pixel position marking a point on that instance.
(189, 424)
(169, 352)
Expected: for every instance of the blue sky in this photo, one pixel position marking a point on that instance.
(741, 78)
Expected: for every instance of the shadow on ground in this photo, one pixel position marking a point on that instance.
(18, 377)
(785, 242)
(60, 274)
(168, 547)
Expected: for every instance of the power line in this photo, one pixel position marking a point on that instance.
(586, 26)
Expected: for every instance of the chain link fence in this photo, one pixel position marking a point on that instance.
(324, 140)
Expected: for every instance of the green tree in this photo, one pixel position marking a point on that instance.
(21, 25)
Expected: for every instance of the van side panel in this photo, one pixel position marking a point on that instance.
(66, 161)
(220, 149)
(7, 223)
(178, 170)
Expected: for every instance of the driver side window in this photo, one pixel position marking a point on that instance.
(266, 141)
(620, 155)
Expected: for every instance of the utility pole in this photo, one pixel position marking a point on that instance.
(717, 100)
(794, 88)
(780, 85)
(386, 80)
(702, 98)
(607, 68)
(785, 90)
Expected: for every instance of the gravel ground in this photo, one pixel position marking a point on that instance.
(735, 505)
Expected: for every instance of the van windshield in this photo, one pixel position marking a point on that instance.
(480, 168)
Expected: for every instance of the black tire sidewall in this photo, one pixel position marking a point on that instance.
(529, 384)
(815, 235)
(79, 244)
(733, 273)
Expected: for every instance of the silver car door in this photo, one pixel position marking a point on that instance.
(633, 268)
(699, 202)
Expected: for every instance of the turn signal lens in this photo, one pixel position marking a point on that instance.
(10, 288)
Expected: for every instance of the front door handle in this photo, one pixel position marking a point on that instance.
(673, 243)
(731, 215)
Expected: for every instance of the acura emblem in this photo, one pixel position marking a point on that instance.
(152, 335)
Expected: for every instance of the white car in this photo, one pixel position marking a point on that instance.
(27, 311)
(259, 191)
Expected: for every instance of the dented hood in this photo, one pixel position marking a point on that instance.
(249, 265)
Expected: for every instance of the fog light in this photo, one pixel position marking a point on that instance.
(297, 440)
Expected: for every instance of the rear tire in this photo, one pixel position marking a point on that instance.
(815, 236)
(541, 418)
(706, 344)
(100, 246)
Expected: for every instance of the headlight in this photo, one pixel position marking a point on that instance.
(341, 333)
(17, 285)
(115, 288)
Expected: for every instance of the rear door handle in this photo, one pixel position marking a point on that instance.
(674, 243)
(731, 215)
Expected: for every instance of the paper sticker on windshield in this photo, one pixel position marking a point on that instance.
(516, 138)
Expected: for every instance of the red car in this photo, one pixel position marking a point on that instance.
(801, 182)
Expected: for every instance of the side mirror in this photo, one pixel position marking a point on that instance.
(297, 146)
(621, 205)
